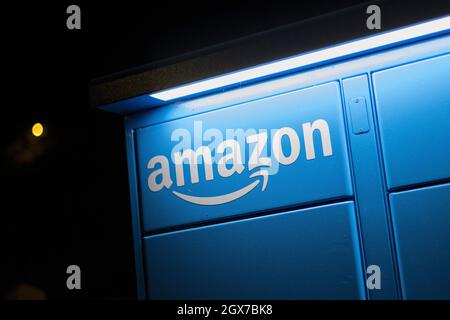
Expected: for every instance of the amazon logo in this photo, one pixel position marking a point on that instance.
(226, 157)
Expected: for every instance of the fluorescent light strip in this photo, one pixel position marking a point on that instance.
(354, 47)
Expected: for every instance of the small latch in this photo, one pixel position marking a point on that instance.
(358, 115)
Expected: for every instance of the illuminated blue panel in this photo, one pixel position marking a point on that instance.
(413, 105)
(398, 134)
(422, 228)
(319, 172)
(305, 254)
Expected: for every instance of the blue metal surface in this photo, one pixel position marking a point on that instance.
(136, 217)
(401, 143)
(326, 176)
(422, 230)
(371, 192)
(413, 106)
(269, 257)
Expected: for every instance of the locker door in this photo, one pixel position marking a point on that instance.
(413, 106)
(422, 231)
(317, 171)
(303, 254)
(414, 124)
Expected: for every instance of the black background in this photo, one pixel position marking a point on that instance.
(65, 196)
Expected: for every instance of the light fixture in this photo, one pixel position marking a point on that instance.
(352, 48)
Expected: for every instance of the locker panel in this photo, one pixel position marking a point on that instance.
(422, 230)
(308, 125)
(304, 254)
(413, 106)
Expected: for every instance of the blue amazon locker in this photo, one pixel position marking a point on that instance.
(291, 182)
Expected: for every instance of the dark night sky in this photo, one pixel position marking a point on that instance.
(65, 196)
(132, 35)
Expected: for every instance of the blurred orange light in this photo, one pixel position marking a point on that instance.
(37, 130)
